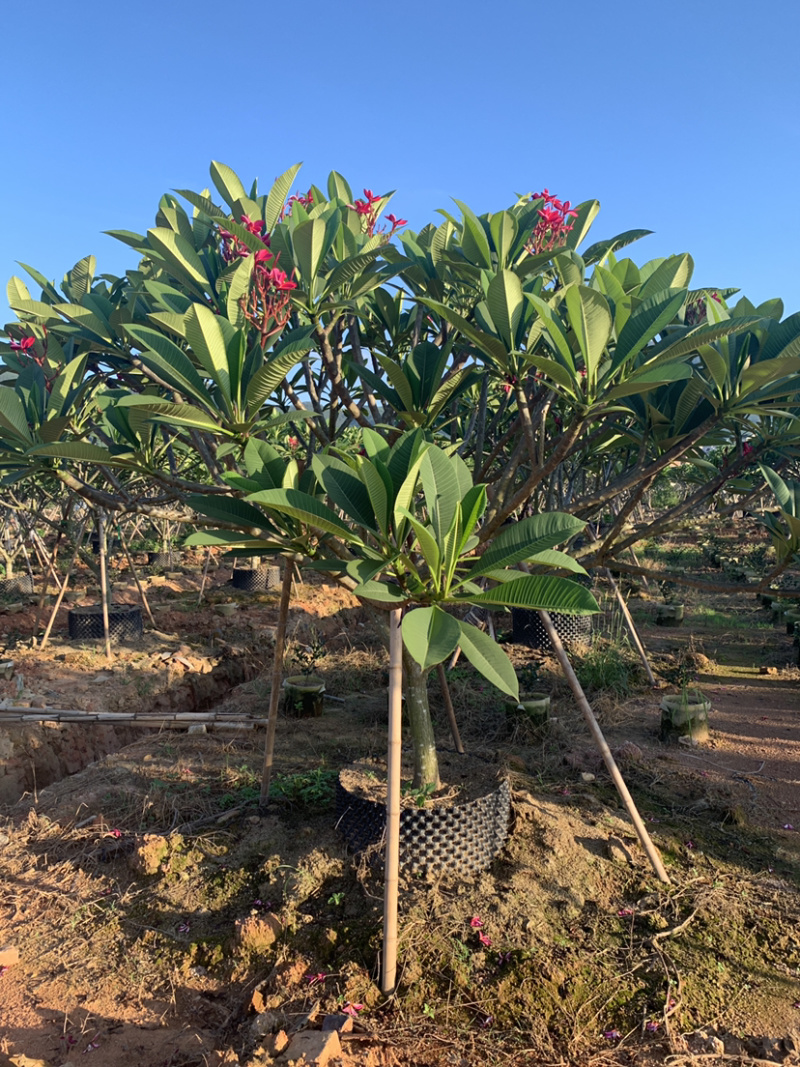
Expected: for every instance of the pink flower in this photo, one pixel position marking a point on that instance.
(485, 941)
(625, 911)
(612, 1035)
(24, 344)
(314, 978)
(652, 1026)
(476, 923)
(352, 1009)
(788, 826)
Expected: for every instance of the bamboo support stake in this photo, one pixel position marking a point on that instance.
(62, 591)
(631, 627)
(600, 741)
(205, 576)
(392, 862)
(101, 536)
(448, 703)
(139, 585)
(275, 686)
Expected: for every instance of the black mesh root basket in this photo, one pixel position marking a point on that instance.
(124, 623)
(465, 838)
(23, 584)
(528, 629)
(159, 559)
(257, 580)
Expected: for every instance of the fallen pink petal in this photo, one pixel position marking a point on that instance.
(476, 923)
(352, 1009)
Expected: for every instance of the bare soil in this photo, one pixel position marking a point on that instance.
(161, 919)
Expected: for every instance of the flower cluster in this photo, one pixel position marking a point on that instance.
(368, 211)
(26, 347)
(233, 247)
(553, 226)
(696, 309)
(306, 201)
(268, 301)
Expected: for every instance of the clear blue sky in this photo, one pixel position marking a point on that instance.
(683, 118)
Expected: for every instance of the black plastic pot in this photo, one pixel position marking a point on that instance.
(528, 628)
(460, 838)
(124, 623)
(257, 579)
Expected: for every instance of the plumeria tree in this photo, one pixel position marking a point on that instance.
(562, 374)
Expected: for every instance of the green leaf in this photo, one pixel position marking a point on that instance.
(180, 257)
(430, 635)
(649, 318)
(440, 485)
(536, 591)
(309, 244)
(427, 544)
(305, 508)
(382, 593)
(767, 372)
(345, 488)
(79, 452)
(278, 194)
(525, 539)
(180, 371)
(590, 318)
(488, 658)
(12, 415)
(505, 301)
(555, 331)
(492, 346)
(474, 241)
(228, 183)
(230, 509)
(674, 273)
(69, 378)
(649, 378)
(287, 354)
(503, 228)
(379, 486)
(209, 335)
(338, 188)
(238, 288)
(87, 320)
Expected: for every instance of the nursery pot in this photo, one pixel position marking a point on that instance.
(528, 628)
(303, 696)
(669, 615)
(533, 710)
(685, 715)
(790, 618)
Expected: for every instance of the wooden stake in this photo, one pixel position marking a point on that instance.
(631, 627)
(62, 591)
(275, 687)
(101, 536)
(392, 861)
(139, 586)
(448, 703)
(205, 575)
(600, 741)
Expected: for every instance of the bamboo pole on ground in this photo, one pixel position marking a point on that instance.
(392, 862)
(205, 576)
(139, 585)
(605, 751)
(62, 591)
(448, 703)
(101, 536)
(275, 686)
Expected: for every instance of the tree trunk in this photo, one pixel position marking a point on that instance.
(426, 762)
